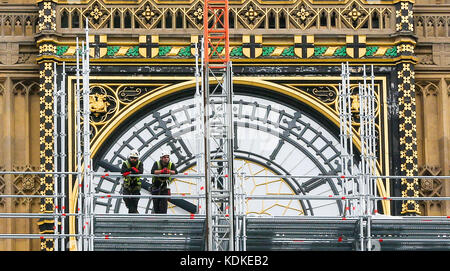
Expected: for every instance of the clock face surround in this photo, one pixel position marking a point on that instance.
(270, 138)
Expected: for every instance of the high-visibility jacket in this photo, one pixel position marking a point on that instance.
(162, 179)
(132, 183)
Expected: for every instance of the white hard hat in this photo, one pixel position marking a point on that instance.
(164, 153)
(134, 153)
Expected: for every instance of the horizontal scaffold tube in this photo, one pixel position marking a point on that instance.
(118, 174)
(40, 172)
(31, 196)
(35, 215)
(37, 236)
(343, 177)
(184, 175)
(409, 177)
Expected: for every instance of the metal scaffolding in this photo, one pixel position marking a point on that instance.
(217, 91)
(225, 221)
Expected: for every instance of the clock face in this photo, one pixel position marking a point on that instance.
(271, 138)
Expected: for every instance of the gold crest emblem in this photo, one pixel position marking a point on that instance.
(98, 104)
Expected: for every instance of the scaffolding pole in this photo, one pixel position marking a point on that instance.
(62, 155)
(346, 138)
(87, 180)
(79, 177)
(218, 127)
(55, 151)
(199, 111)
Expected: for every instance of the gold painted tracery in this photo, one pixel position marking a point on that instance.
(246, 14)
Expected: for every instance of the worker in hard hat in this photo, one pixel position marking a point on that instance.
(132, 184)
(160, 184)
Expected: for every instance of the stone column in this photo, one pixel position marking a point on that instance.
(8, 141)
(47, 49)
(407, 106)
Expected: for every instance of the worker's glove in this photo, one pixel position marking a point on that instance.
(126, 173)
(135, 170)
(164, 171)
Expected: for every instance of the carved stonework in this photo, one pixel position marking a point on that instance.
(26, 184)
(9, 53)
(247, 14)
(426, 88)
(355, 14)
(425, 59)
(97, 14)
(431, 188)
(2, 186)
(26, 87)
(149, 15)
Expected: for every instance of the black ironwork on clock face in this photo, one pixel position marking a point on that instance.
(272, 137)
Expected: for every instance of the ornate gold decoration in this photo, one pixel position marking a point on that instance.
(102, 104)
(404, 17)
(251, 14)
(405, 48)
(47, 48)
(149, 45)
(46, 149)
(354, 14)
(195, 14)
(148, 14)
(198, 13)
(408, 137)
(356, 45)
(304, 46)
(252, 45)
(303, 15)
(355, 107)
(97, 13)
(98, 104)
(47, 16)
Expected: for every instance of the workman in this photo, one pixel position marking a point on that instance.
(132, 184)
(160, 184)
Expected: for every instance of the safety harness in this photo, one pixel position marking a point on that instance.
(132, 183)
(162, 179)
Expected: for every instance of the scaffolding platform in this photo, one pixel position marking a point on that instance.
(152, 232)
(186, 233)
(301, 233)
(411, 233)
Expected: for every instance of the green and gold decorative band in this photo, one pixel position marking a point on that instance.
(251, 47)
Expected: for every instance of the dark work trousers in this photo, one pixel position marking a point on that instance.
(160, 204)
(131, 203)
